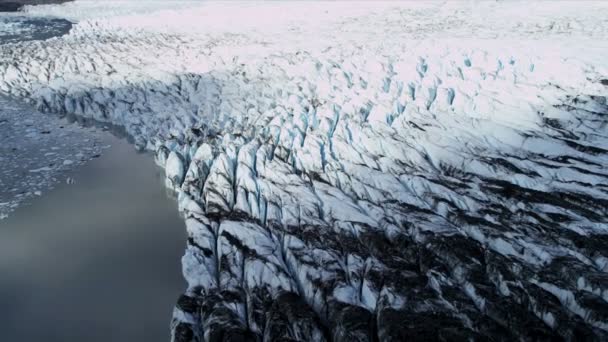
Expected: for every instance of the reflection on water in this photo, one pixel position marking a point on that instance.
(98, 260)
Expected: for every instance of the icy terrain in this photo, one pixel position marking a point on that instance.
(359, 171)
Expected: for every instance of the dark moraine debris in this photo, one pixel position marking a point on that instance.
(428, 232)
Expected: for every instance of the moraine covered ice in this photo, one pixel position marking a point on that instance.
(359, 171)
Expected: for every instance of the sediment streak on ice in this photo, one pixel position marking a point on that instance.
(360, 173)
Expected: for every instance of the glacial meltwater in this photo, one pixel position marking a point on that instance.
(17, 28)
(96, 260)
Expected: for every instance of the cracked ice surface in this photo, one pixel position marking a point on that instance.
(359, 170)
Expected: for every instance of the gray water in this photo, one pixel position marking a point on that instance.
(97, 260)
(17, 28)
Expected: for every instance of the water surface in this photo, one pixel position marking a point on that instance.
(14, 27)
(97, 260)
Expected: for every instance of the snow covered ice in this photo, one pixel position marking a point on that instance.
(359, 171)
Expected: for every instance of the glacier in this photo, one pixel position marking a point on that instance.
(358, 171)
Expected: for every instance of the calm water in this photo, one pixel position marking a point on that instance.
(97, 260)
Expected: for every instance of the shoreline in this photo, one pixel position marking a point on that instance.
(112, 239)
(37, 150)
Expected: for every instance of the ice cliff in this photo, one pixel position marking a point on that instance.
(360, 172)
